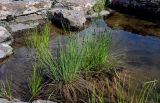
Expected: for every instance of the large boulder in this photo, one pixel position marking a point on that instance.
(147, 7)
(71, 12)
(72, 18)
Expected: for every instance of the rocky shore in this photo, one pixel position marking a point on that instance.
(17, 15)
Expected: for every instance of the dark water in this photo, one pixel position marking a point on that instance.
(139, 54)
(138, 43)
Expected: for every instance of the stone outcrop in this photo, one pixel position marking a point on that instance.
(71, 12)
(73, 18)
(22, 12)
(5, 40)
(14, 8)
(78, 5)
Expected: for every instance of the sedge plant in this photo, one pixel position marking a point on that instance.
(71, 58)
(6, 91)
(96, 50)
(35, 82)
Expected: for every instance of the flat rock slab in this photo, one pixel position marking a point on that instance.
(22, 7)
(79, 5)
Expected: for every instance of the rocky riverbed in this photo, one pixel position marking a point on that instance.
(20, 15)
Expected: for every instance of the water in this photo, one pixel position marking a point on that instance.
(139, 54)
(138, 43)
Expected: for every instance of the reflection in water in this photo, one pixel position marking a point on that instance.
(136, 52)
(133, 24)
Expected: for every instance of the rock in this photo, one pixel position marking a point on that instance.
(78, 5)
(5, 36)
(43, 101)
(73, 18)
(147, 7)
(25, 7)
(4, 100)
(31, 17)
(5, 50)
(102, 13)
(22, 26)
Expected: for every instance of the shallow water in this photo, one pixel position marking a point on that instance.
(139, 54)
(134, 24)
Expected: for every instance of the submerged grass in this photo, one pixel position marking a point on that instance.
(76, 55)
(146, 94)
(6, 91)
(35, 82)
(72, 57)
(96, 50)
(77, 65)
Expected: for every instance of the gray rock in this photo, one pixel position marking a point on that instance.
(43, 101)
(31, 17)
(72, 18)
(18, 8)
(5, 36)
(4, 100)
(36, 101)
(5, 50)
(78, 5)
(102, 13)
(22, 26)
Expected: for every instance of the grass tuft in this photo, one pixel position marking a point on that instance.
(6, 91)
(35, 82)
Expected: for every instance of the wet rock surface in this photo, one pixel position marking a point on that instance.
(146, 7)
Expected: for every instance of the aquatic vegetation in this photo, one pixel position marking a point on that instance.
(79, 53)
(35, 82)
(145, 95)
(82, 64)
(100, 5)
(96, 50)
(6, 89)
